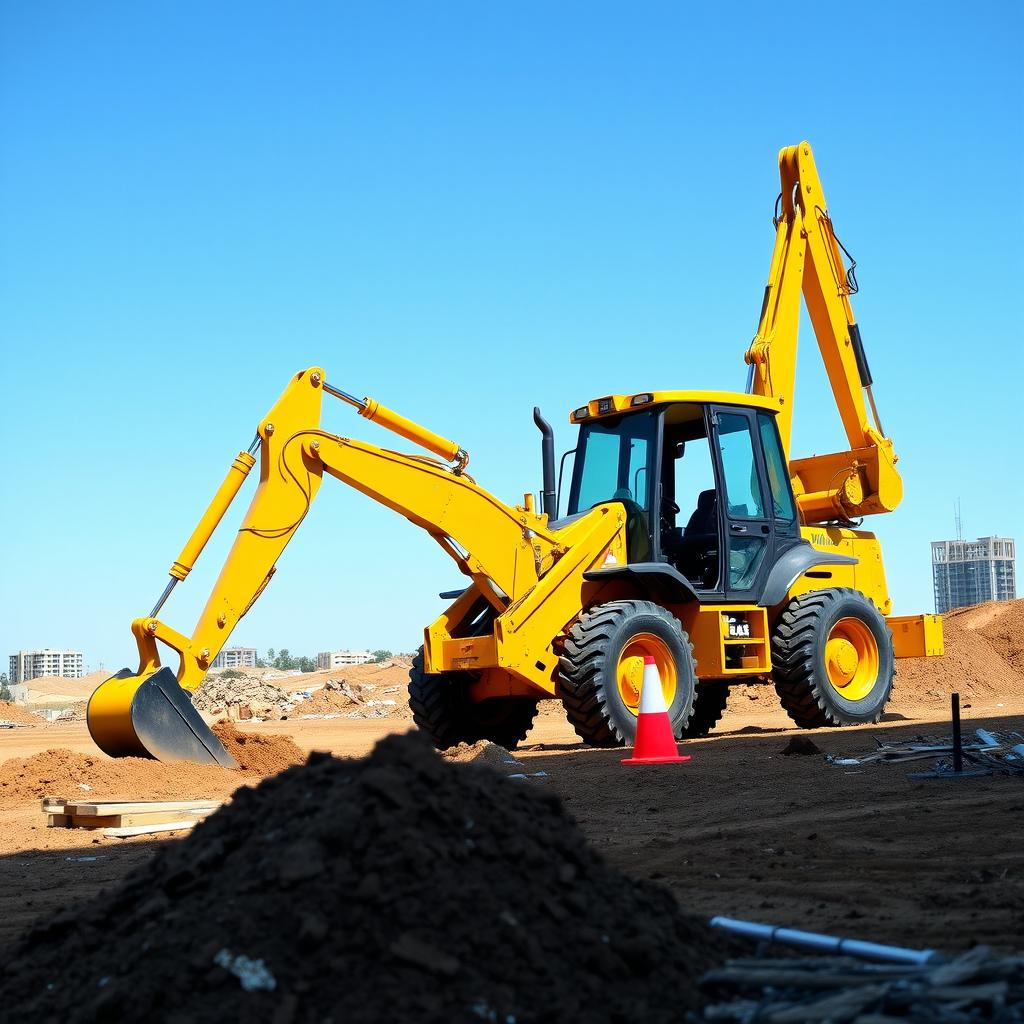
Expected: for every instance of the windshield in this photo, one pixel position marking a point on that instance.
(613, 462)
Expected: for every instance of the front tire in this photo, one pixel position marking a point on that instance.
(832, 659)
(601, 669)
(441, 707)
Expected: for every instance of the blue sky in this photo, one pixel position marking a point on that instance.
(465, 209)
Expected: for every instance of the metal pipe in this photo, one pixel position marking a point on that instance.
(958, 747)
(547, 454)
(163, 597)
(255, 446)
(826, 943)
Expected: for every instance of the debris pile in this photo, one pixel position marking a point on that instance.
(397, 887)
(992, 752)
(355, 700)
(975, 986)
(220, 695)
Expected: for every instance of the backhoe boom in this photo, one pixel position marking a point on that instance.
(808, 260)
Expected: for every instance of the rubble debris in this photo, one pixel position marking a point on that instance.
(997, 752)
(218, 694)
(397, 887)
(354, 700)
(977, 985)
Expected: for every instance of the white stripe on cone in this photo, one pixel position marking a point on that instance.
(652, 697)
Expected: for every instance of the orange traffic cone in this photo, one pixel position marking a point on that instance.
(655, 743)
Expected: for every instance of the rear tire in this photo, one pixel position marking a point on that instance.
(708, 708)
(832, 659)
(441, 707)
(598, 670)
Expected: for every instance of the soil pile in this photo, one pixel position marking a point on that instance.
(11, 712)
(219, 693)
(982, 660)
(257, 753)
(70, 774)
(483, 752)
(395, 888)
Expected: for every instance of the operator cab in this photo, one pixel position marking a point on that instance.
(703, 480)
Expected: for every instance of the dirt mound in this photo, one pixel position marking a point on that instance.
(395, 888)
(800, 745)
(11, 712)
(71, 774)
(53, 689)
(218, 693)
(982, 660)
(256, 753)
(1005, 632)
(482, 752)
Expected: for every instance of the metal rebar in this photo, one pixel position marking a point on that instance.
(958, 747)
(163, 597)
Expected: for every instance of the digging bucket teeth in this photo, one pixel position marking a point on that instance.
(151, 716)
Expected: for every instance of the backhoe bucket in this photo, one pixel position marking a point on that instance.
(152, 716)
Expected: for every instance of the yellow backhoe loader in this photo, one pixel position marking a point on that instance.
(689, 535)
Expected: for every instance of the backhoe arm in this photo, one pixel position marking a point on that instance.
(808, 260)
(503, 549)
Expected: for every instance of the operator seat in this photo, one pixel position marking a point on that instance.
(698, 548)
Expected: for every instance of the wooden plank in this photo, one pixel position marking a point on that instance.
(145, 830)
(99, 807)
(55, 804)
(123, 820)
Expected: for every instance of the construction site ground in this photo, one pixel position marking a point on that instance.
(741, 830)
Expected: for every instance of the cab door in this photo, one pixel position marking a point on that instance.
(745, 504)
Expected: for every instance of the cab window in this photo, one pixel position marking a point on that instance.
(613, 462)
(740, 468)
(778, 475)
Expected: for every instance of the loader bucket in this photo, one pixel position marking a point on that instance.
(151, 716)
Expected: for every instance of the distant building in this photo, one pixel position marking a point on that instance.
(966, 572)
(26, 665)
(339, 659)
(235, 657)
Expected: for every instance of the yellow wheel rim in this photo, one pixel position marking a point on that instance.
(630, 669)
(852, 659)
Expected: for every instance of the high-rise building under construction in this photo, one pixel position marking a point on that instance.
(966, 572)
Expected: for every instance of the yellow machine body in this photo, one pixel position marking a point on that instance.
(533, 579)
